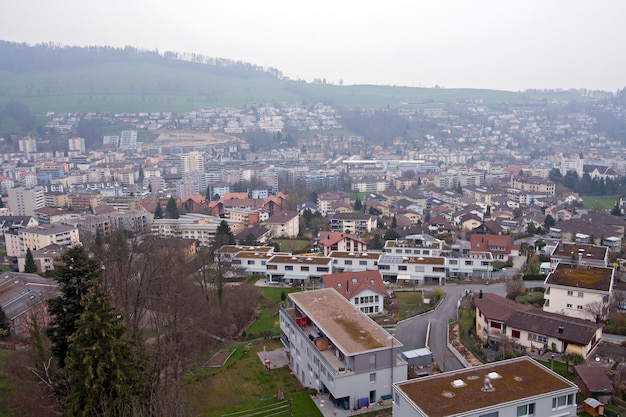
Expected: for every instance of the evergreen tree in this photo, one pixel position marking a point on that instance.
(223, 235)
(4, 324)
(29, 265)
(158, 212)
(394, 222)
(172, 209)
(358, 205)
(549, 221)
(1, 203)
(103, 376)
(75, 276)
(616, 211)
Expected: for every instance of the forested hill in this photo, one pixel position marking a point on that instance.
(22, 57)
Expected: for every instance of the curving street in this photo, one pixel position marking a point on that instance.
(412, 332)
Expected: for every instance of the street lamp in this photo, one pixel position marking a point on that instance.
(552, 364)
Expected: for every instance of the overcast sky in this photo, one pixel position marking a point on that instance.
(499, 44)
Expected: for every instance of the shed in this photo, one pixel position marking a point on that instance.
(593, 407)
(594, 383)
(418, 357)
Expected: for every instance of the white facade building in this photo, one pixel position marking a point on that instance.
(334, 347)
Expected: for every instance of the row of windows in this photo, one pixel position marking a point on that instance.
(371, 309)
(349, 262)
(366, 299)
(413, 251)
(537, 338)
(578, 307)
(578, 294)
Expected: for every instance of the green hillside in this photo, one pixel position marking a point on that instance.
(104, 79)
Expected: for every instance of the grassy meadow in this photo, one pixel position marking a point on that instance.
(607, 202)
(151, 87)
(244, 385)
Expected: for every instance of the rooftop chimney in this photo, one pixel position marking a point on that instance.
(480, 294)
(561, 329)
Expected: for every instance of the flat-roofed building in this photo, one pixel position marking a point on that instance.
(334, 347)
(581, 291)
(354, 261)
(514, 387)
(24, 201)
(298, 269)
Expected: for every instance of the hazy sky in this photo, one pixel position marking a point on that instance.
(499, 44)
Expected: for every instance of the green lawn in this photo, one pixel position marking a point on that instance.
(268, 319)
(607, 202)
(410, 303)
(559, 368)
(244, 384)
(293, 245)
(6, 384)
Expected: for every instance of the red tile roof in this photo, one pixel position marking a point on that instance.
(349, 284)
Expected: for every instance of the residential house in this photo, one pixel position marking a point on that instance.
(11, 224)
(514, 387)
(284, 224)
(337, 241)
(500, 246)
(364, 289)
(572, 253)
(353, 223)
(581, 291)
(260, 234)
(334, 347)
(500, 320)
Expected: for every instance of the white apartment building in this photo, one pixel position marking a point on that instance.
(580, 291)
(297, 269)
(192, 226)
(337, 349)
(192, 162)
(39, 237)
(24, 201)
(354, 261)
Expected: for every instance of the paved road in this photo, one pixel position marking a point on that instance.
(412, 332)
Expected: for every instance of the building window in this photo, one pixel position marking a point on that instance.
(363, 263)
(493, 414)
(372, 362)
(469, 263)
(453, 262)
(579, 307)
(347, 262)
(372, 378)
(526, 410)
(288, 267)
(304, 268)
(515, 334)
(570, 292)
(562, 401)
(401, 267)
(581, 294)
(568, 305)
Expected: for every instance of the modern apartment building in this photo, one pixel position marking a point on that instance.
(337, 349)
(24, 201)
